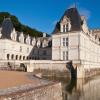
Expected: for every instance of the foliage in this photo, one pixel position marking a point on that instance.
(18, 26)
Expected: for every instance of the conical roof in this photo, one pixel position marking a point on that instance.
(74, 18)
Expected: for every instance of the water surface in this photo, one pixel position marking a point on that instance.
(81, 89)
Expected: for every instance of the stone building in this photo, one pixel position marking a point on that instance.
(18, 46)
(72, 40)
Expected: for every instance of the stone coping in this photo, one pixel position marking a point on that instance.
(24, 89)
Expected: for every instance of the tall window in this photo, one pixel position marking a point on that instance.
(16, 57)
(12, 56)
(20, 57)
(65, 42)
(66, 55)
(63, 55)
(8, 56)
(65, 28)
(23, 57)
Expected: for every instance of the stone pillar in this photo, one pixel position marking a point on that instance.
(80, 72)
(30, 67)
(80, 83)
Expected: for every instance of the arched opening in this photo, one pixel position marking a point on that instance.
(12, 56)
(27, 57)
(23, 67)
(8, 56)
(20, 57)
(16, 57)
(23, 57)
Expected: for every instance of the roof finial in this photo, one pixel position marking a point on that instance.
(75, 3)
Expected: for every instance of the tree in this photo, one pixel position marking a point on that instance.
(20, 27)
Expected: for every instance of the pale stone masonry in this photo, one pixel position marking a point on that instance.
(71, 40)
(43, 90)
(17, 46)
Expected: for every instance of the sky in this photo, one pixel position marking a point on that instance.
(43, 14)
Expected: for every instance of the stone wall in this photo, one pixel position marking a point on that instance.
(37, 64)
(47, 65)
(51, 91)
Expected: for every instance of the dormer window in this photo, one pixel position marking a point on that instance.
(21, 38)
(65, 25)
(65, 28)
(13, 35)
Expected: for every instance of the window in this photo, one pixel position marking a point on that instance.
(27, 58)
(65, 28)
(7, 56)
(20, 57)
(16, 57)
(12, 56)
(23, 57)
(66, 55)
(65, 42)
(63, 55)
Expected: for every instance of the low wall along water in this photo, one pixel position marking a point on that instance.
(52, 91)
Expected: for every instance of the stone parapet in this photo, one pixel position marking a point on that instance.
(50, 91)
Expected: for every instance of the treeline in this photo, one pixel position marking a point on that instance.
(20, 27)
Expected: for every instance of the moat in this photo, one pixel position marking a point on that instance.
(87, 89)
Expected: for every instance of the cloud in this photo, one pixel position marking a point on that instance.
(85, 12)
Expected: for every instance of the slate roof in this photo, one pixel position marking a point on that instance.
(75, 20)
(7, 28)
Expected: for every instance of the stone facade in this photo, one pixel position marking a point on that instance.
(17, 46)
(72, 40)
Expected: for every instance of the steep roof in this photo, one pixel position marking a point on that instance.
(74, 17)
(7, 28)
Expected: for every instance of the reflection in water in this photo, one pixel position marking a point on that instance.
(88, 89)
(70, 86)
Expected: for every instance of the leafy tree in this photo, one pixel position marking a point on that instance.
(20, 27)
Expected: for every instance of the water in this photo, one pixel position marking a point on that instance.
(81, 89)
